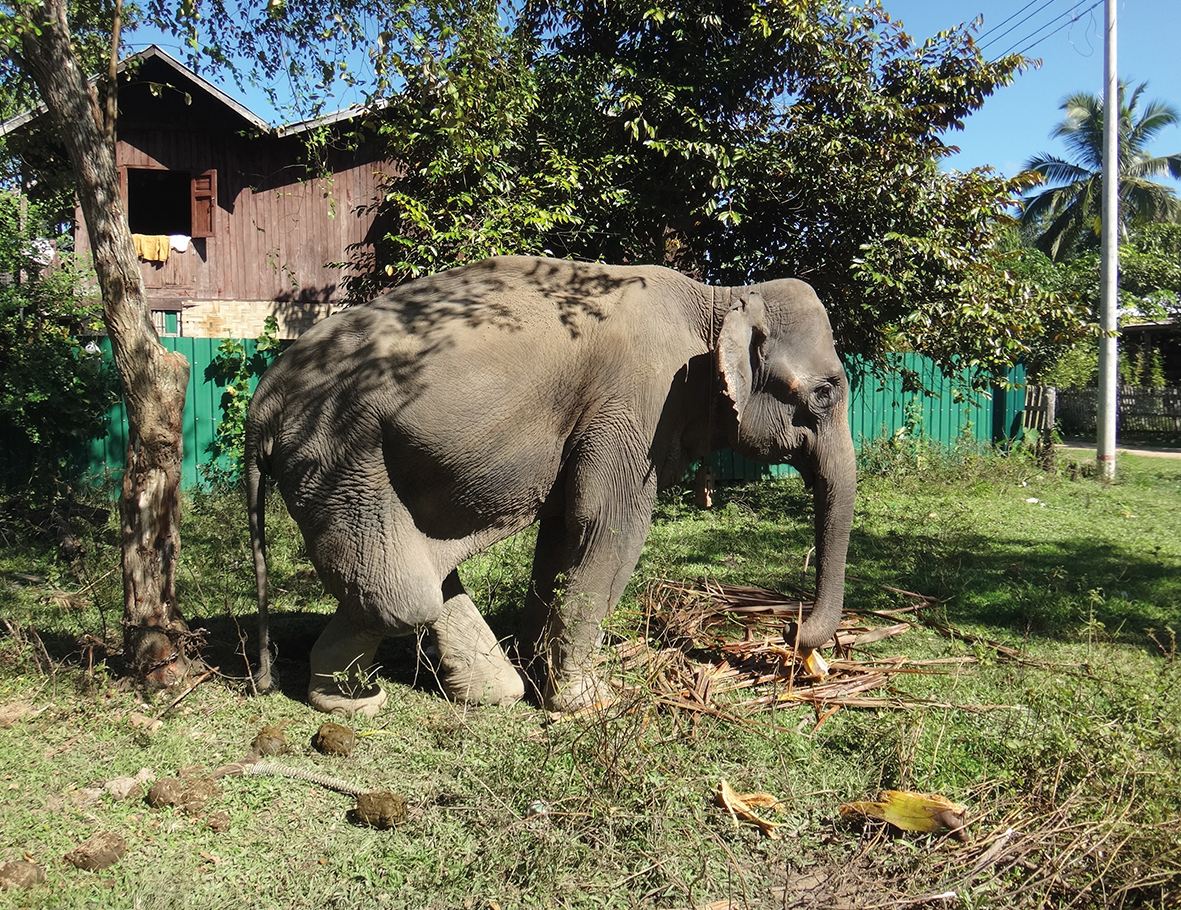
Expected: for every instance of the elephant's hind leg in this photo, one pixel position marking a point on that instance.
(474, 668)
(372, 561)
(341, 660)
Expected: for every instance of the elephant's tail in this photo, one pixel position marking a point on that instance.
(256, 504)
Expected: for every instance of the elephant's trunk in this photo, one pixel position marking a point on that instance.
(835, 489)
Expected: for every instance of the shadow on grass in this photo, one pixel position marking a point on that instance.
(1057, 589)
(1021, 586)
(293, 634)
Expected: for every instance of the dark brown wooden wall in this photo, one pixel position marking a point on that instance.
(275, 231)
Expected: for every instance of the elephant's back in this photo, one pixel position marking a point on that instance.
(546, 300)
(508, 353)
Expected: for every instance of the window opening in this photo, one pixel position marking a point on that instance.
(159, 202)
(167, 323)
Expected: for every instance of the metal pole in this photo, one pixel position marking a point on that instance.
(1109, 266)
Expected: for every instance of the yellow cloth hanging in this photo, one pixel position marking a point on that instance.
(152, 247)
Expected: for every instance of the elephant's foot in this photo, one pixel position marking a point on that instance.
(473, 667)
(488, 679)
(331, 700)
(576, 692)
(571, 683)
(342, 670)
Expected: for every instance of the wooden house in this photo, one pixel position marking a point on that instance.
(230, 223)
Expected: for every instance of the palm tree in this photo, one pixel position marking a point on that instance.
(1067, 214)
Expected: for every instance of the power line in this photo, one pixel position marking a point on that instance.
(988, 31)
(984, 40)
(1068, 15)
(1073, 19)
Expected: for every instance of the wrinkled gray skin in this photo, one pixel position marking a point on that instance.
(410, 433)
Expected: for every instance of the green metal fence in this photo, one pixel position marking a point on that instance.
(883, 403)
(878, 406)
(202, 412)
(948, 410)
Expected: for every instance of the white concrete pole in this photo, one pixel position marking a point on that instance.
(1109, 265)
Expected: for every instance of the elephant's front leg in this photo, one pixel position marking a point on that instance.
(473, 666)
(342, 661)
(602, 539)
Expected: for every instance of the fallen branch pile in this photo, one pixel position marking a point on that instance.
(706, 642)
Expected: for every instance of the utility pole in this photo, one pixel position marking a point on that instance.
(1109, 266)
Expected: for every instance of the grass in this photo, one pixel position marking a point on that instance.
(1070, 777)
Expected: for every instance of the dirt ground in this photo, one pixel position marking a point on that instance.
(1082, 449)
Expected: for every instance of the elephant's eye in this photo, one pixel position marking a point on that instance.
(824, 395)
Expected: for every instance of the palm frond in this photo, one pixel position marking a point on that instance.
(1130, 104)
(1143, 202)
(1070, 211)
(1051, 203)
(1063, 232)
(1149, 167)
(1156, 117)
(1057, 170)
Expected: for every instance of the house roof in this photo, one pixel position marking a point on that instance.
(155, 56)
(153, 52)
(1171, 326)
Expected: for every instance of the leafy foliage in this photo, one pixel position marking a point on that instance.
(1150, 271)
(237, 371)
(461, 126)
(90, 25)
(54, 388)
(1150, 287)
(736, 145)
(1066, 217)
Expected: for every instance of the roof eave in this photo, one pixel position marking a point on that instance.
(152, 51)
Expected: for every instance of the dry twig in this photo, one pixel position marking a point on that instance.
(705, 642)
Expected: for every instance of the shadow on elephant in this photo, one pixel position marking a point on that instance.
(411, 433)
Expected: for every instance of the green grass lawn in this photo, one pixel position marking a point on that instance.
(1054, 717)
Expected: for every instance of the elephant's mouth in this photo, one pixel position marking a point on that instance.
(805, 469)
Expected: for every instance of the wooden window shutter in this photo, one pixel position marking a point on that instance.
(204, 203)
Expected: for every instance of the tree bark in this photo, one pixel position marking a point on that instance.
(154, 379)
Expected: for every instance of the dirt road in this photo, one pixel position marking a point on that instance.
(1087, 450)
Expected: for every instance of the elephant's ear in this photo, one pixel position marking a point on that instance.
(740, 348)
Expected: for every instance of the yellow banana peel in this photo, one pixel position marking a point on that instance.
(815, 664)
(741, 807)
(923, 812)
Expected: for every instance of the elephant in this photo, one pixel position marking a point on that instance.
(408, 434)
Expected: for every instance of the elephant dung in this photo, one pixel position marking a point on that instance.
(189, 795)
(380, 809)
(20, 874)
(99, 852)
(271, 740)
(334, 739)
(126, 787)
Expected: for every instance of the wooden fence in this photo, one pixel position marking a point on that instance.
(1138, 411)
(1041, 408)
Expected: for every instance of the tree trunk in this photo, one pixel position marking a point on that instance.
(154, 379)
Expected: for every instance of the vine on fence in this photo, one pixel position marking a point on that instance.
(236, 371)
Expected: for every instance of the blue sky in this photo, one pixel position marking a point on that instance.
(1015, 122)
